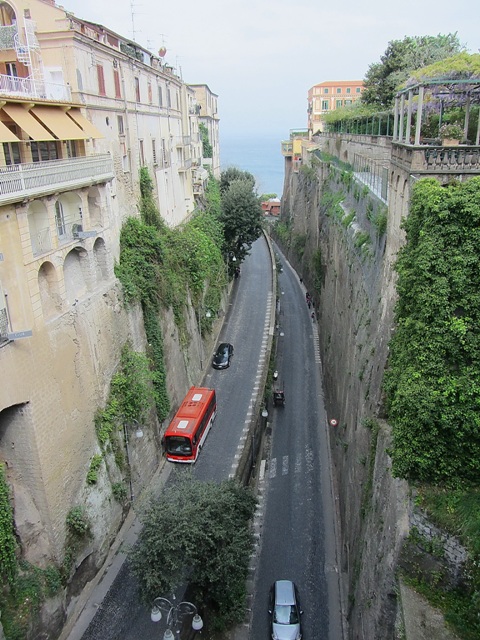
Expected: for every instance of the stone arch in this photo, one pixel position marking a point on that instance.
(100, 258)
(8, 16)
(75, 273)
(39, 227)
(49, 290)
(95, 207)
(68, 215)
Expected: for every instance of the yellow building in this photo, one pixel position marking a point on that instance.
(328, 96)
(82, 109)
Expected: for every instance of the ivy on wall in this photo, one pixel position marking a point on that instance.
(8, 543)
(432, 381)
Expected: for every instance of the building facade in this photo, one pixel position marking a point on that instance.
(83, 109)
(328, 96)
(207, 110)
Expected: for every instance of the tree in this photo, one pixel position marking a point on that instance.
(233, 173)
(207, 149)
(401, 57)
(432, 381)
(197, 533)
(241, 217)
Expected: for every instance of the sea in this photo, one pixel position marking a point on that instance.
(261, 155)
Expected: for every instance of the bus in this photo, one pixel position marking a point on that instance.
(187, 431)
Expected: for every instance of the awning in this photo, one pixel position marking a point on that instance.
(59, 123)
(6, 135)
(86, 125)
(27, 122)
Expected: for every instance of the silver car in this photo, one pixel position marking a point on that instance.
(285, 611)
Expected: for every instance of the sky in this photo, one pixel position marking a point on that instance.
(262, 56)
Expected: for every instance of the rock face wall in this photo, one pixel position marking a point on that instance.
(346, 264)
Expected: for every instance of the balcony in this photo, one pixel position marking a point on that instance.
(186, 164)
(26, 181)
(183, 141)
(287, 148)
(12, 86)
(426, 159)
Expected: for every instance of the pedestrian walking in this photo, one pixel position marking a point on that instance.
(313, 316)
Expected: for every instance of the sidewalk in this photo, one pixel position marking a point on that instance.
(94, 592)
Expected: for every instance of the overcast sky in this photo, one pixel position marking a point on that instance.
(261, 56)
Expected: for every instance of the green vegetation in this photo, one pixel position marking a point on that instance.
(92, 475)
(8, 544)
(401, 58)
(207, 147)
(77, 522)
(198, 533)
(432, 380)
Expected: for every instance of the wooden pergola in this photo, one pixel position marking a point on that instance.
(410, 102)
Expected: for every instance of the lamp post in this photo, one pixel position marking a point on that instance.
(201, 314)
(175, 615)
(138, 434)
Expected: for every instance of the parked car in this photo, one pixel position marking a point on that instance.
(223, 355)
(285, 612)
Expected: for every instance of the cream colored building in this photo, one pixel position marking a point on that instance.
(208, 116)
(328, 96)
(82, 109)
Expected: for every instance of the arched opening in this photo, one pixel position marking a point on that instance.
(75, 273)
(39, 227)
(49, 290)
(68, 216)
(100, 258)
(95, 207)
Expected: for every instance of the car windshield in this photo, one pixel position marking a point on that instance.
(179, 446)
(285, 614)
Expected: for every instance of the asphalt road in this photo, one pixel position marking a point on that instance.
(121, 615)
(298, 533)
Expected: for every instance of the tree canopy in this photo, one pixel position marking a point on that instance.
(401, 58)
(197, 533)
(432, 380)
(233, 173)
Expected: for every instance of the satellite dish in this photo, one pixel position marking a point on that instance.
(162, 51)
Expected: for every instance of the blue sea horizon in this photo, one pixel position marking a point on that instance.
(260, 155)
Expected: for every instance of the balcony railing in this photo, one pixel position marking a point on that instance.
(437, 159)
(183, 141)
(30, 88)
(7, 36)
(21, 181)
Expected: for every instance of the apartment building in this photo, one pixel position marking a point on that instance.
(328, 96)
(207, 110)
(82, 109)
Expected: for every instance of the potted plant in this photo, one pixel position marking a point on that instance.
(450, 133)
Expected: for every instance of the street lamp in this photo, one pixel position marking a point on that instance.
(138, 434)
(175, 614)
(208, 314)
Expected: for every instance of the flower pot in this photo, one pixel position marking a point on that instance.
(450, 142)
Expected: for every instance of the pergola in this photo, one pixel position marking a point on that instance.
(436, 93)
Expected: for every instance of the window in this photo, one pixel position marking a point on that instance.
(60, 220)
(101, 80)
(154, 151)
(41, 151)
(160, 97)
(358, 89)
(164, 153)
(141, 153)
(348, 89)
(324, 105)
(11, 151)
(71, 149)
(121, 130)
(348, 102)
(339, 91)
(169, 99)
(339, 103)
(150, 99)
(325, 91)
(116, 82)
(137, 89)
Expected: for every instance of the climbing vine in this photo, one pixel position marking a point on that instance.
(432, 382)
(8, 544)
